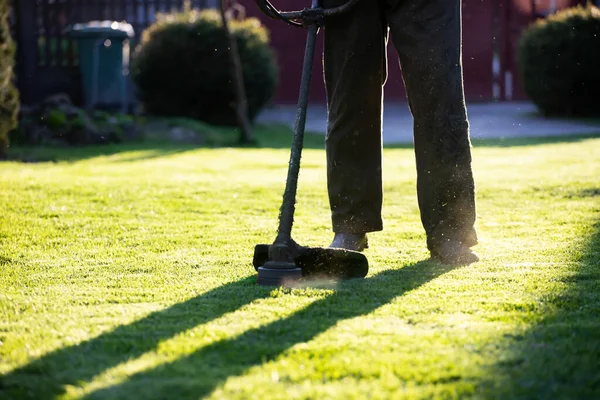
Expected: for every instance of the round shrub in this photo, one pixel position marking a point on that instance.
(559, 61)
(182, 67)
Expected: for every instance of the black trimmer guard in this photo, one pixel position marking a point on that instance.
(321, 262)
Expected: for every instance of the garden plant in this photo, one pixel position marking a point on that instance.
(559, 62)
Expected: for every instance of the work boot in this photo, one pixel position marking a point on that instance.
(453, 252)
(350, 241)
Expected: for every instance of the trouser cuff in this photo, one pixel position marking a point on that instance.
(356, 225)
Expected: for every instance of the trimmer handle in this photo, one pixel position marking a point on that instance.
(307, 16)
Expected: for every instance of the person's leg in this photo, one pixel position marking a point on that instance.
(427, 35)
(355, 71)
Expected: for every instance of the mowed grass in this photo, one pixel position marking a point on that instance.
(128, 275)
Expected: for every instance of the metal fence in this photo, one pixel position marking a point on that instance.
(47, 60)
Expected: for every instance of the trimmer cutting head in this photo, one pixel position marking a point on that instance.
(313, 262)
(275, 273)
(279, 268)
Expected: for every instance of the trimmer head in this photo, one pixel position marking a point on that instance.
(279, 267)
(274, 273)
(316, 262)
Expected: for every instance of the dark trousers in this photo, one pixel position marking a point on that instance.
(427, 37)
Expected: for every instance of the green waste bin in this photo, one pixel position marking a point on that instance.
(104, 53)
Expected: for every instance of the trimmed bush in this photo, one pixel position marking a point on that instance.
(9, 96)
(559, 61)
(182, 68)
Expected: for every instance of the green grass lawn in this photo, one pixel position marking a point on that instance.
(125, 272)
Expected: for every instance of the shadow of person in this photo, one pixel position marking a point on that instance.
(201, 372)
(47, 376)
(558, 357)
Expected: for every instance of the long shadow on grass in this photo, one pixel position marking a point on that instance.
(46, 377)
(142, 150)
(558, 358)
(271, 138)
(533, 141)
(516, 141)
(151, 150)
(200, 373)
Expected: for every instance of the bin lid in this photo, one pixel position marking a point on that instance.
(100, 29)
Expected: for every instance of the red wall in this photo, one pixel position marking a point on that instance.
(478, 44)
(289, 43)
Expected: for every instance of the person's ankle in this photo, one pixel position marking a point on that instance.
(350, 241)
(453, 252)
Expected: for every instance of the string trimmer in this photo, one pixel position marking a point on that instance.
(284, 261)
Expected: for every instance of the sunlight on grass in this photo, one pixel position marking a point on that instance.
(188, 342)
(129, 274)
